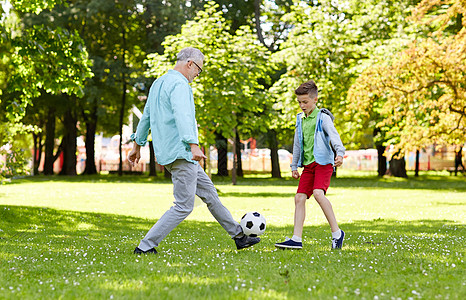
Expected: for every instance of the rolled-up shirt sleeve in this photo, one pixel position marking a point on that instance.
(182, 103)
(142, 131)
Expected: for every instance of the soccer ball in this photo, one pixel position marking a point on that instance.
(253, 224)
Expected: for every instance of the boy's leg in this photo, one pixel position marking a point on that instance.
(184, 178)
(206, 190)
(322, 182)
(326, 207)
(323, 174)
(299, 213)
(296, 241)
(304, 192)
(305, 186)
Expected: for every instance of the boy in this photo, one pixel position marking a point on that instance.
(314, 136)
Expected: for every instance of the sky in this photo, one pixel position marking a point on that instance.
(6, 8)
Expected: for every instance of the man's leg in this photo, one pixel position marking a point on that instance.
(184, 178)
(208, 193)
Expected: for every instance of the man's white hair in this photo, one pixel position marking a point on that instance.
(190, 53)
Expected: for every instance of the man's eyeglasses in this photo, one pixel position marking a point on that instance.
(200, 69)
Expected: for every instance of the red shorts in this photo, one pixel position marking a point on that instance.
(315, 177)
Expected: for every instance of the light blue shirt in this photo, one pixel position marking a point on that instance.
(171, 116)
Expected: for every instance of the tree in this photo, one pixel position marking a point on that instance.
(228, 93)
(272, 31)
(421, 93)
(38, 60)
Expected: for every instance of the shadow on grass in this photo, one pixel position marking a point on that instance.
(111, 178)
(198, 260)
(16, 222)
(255, 195)
(424, 182)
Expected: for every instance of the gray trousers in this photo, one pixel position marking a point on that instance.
(189, 180)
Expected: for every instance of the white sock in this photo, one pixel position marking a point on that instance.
(297, 239)
(336, 234)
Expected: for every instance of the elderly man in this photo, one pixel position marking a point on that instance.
(170, 114)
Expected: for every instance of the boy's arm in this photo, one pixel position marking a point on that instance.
(332, 132)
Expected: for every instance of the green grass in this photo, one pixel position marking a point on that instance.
(73, 237)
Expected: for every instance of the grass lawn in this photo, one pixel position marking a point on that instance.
(72, 238)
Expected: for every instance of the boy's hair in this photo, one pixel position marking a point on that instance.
(309, 88)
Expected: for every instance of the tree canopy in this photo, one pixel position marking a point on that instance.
(421, 93)
(393, 70)
(228, 92)
(332, 43)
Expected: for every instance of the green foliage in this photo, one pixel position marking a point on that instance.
(16, 163)
(48, 60)
(34, 6)
(37, 60)
(332, 43)
(15, 157)
(228, 93)
(417, 98)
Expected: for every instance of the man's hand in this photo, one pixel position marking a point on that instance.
(197, 153)
(338, 161)
(135, 154)
(295, 174)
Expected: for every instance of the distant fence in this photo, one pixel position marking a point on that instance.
(258, 160)
(429, 159)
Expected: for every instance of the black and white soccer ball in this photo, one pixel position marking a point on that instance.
(253, 224)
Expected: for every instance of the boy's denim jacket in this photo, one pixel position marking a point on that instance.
(324, 136)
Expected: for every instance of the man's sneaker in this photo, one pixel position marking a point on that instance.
(338, 243)
(246, 241)
(139, 251)
(289, 244)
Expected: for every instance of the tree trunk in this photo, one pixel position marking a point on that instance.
(459, 160)
(222, 160)
(152, 169)
(123, 104)
(233, 171)
(257, 19)
(273, 144)
(382, 161)
(239, 163)
(398, 167)
(91, 127)
(38, 145)
(416, 168)
(49, 142)
(69, 142)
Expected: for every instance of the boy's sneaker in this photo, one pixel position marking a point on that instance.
(246, 241)
(338, 243)
(289, 244)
